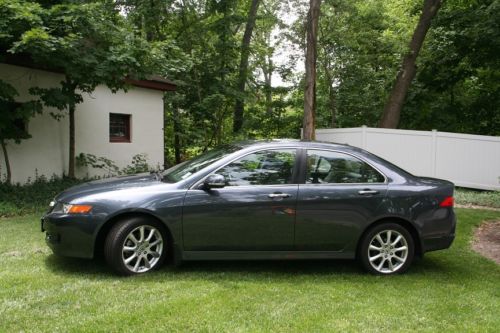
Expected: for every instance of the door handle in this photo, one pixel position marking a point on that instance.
(367, 191)
(278, 195)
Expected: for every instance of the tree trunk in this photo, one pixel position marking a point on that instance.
(394, 104)
(71, 168)
(242, 74)
(310, 65)
(7, 162)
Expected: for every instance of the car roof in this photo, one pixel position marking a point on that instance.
(294, 142)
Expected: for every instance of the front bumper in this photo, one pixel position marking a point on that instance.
(69, 235)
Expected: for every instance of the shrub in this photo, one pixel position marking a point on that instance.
(139, 164)
(98, 162)
(33, 197)
(477, 198)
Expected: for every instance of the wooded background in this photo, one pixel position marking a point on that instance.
(253, 69)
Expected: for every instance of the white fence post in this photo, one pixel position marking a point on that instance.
(363, 131)
(434, 152)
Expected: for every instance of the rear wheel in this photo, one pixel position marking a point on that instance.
(387, 249)
(136, 246)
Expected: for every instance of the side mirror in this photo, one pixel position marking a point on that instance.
(214, 181)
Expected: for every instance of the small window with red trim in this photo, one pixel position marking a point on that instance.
(119, 127)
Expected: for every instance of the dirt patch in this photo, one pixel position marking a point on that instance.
(487, 240)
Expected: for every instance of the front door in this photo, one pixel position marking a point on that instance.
(340, 196)
(255, 211)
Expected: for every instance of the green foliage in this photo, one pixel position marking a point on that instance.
(16, 18)
(13, 119)
(477, 198)
(12, 113)
(457, 88)
(7, 92)
(138, 164)
(93, 161)
(360, 47)
(196, 43)
(33, 197)
(91, 44)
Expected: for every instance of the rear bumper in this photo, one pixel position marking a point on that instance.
(443, 238)
(69, 236)
(438, 243)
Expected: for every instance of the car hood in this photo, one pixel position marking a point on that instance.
(107, 185)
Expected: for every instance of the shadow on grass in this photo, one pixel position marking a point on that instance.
(80, 267)
(86, 267)
(317, 267)
(229, 270)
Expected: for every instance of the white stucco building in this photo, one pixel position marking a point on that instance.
(112, 125)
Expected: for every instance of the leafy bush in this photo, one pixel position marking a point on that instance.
(33, 197)
(139, 164)
(477, 198)
(98, 162)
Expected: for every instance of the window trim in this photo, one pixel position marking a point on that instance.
(128, 137)
(295, 173)
(386, 180)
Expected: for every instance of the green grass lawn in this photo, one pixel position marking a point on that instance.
(449, 291)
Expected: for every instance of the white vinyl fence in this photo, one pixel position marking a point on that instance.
(467, 160)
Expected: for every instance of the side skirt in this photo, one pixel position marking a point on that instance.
(264, 255)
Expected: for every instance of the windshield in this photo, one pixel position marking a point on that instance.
(185, 169)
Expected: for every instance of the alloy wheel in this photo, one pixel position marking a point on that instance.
(142, 249)
(388, 251)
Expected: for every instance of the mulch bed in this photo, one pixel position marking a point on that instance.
(487, 240)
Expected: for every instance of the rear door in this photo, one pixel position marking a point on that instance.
(340, 196)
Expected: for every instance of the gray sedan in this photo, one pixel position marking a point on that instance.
(276, 199)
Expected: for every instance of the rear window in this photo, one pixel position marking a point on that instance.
(329, 167)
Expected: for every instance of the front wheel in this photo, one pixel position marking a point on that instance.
(136, 246)
(387, 249)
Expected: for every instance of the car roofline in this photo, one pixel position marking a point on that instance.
(289, 142)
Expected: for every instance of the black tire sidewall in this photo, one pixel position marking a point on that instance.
(365, 242)
(116, 238)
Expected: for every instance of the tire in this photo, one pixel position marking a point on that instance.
(136, 245)
(378, 256)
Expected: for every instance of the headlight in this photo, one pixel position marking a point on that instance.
(63, 208)
(76, 209)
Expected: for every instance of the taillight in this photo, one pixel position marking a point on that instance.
(447, 202)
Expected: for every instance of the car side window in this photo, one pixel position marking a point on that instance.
(324, 167)
(268, 167)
